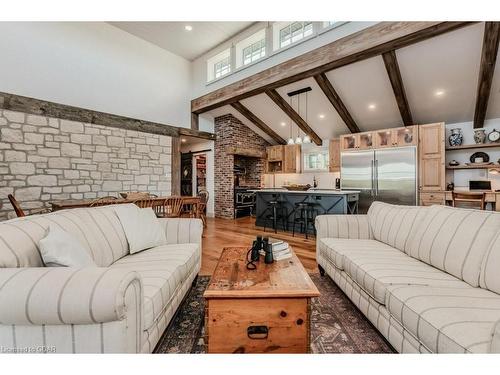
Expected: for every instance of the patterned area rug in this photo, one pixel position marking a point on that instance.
(337, 326)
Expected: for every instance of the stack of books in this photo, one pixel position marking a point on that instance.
(281, 250)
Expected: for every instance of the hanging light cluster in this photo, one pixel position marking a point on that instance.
(298, 140)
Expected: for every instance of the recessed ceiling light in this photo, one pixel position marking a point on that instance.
(372, 106)
(183, 140)
(188, 27)
(283, 123)
(439, 93)
(321, 116)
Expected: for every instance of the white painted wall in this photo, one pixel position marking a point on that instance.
(96, 66)
(199, 66)
(208, 145)
(461, 177)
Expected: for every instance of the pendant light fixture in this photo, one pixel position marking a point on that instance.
(298, 140)
(290, 140)
(306, 139)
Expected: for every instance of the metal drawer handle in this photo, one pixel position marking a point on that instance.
(257, 332)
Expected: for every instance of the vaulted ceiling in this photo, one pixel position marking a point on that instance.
(173, 36)
(440, 77)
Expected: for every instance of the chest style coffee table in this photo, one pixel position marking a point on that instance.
(258, 311)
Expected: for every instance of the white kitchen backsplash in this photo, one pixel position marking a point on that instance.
(461, 177)
(326, 180)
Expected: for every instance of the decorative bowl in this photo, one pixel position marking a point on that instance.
(295, 187)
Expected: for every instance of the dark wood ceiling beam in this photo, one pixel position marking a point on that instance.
(325, 85)
(290, 112)
(250, 116)
(487, 69)
(392, 67)
(369, 42)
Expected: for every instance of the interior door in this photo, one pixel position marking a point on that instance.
(396, 176)
(357, 174)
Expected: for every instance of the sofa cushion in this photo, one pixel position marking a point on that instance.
(375, 271)
(97, 229)
(142, 227)
(455, 240)
(60, 249)
(395, 225)
(162, 269)
(334, 249)
(446, 320)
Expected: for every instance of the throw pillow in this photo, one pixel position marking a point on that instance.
(142, 227)
(61, 249)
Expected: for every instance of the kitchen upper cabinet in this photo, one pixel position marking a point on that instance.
(291, 160)
(431, 157)
(275, 153)
(406, 136)
(349, 142)
(393, 137)
(334, 165)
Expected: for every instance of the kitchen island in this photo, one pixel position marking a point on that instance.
(322, 202)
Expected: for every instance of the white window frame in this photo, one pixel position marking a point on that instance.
(257, 52)
(223, 56)
(222, 67)
(270, 36)
(329, 25)
(300, 33)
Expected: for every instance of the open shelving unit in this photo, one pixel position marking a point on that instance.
(489, 166)
(468, 147)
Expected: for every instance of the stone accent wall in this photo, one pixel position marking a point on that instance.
(44, 159)
(230, 132)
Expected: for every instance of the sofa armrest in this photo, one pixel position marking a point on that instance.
(64, 295)
(182, 230)
(343, 226)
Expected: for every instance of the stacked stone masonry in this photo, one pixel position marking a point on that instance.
(230, 132)
(46, 159)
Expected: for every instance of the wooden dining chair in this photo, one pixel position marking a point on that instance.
(172, 207)
(469, 200)
(20, 212)
(202, 206)
(104, 201)
(145, 202)
(17, 207)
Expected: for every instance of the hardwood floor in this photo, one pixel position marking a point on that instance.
(221, 233)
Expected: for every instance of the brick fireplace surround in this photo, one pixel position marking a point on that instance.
(231, 132)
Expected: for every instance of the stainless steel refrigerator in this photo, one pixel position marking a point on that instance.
(387, 175)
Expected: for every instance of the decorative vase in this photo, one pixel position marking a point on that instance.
(479, 136)
(456, 137)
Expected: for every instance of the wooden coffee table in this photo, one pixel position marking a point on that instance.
(258, 311)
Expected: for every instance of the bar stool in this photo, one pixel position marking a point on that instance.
(277, 212)
(313, 212)
(303, 215)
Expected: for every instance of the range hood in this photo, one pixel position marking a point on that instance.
(247, 152)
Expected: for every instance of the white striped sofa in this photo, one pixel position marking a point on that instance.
(121, 306)
(428, 278)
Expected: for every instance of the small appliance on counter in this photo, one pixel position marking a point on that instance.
(337, 183)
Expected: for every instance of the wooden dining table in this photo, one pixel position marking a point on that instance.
(82, 203)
